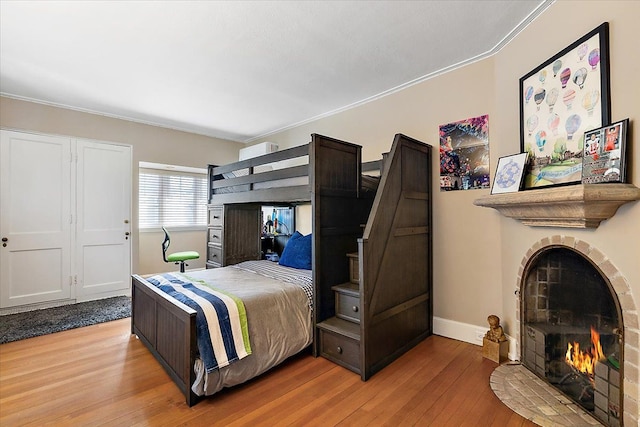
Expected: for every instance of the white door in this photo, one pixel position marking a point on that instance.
(35, 217)
(103, 226)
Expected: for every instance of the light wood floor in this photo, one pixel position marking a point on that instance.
(101, 375)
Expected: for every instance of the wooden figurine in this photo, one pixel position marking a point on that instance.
(495, 346)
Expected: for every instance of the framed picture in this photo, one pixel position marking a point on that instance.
(509, 173)
(560, 100)
(464, 154)
(604, 154)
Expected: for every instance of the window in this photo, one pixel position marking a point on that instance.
(172, 196)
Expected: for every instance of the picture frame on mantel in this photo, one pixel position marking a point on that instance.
(604, 157)
(509, 173)
(560, 100)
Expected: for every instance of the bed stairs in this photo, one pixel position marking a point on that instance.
(340, 335)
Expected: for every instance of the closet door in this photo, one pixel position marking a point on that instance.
(103, 241)
(35, 217)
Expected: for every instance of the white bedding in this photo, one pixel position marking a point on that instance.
(278, 316)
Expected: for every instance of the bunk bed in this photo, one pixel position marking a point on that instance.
(371, 245)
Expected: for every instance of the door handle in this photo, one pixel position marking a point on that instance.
(126, 235)
(4, 242)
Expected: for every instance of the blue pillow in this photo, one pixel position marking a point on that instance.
(295, 236)
(297, 252)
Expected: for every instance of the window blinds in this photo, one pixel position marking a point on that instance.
(172, 199)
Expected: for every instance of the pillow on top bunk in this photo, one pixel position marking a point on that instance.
(297, 252)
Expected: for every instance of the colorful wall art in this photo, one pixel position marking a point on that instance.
(559, 101)
(605, 154)
(464, 154)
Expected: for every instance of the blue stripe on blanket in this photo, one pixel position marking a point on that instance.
(223, 320)
(203, 334)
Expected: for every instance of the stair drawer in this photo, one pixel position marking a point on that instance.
(340, 349)
(348, 307)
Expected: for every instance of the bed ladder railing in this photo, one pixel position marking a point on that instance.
(236, 182)
(394, 254)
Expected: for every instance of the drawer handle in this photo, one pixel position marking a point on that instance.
(216, 217)
(214, 255)
(215, 236)
(339, 350)
(355, 308)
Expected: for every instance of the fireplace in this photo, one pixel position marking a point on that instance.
(542, 334)
(580, 206)
(572, 330)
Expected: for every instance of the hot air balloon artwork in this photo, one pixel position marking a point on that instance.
(579, 77)
(565, 75)
(542, 76)
(582, 50)
(572, 124)
(594, 58)
(553, 122)
(590, 100)
(577, 99)
(538, 97)
(556, 67)
(568, 98)
(528, 94)
(541, 139)
(532, 124)
(552, 97)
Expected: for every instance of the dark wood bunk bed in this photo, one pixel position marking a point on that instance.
(372, 268)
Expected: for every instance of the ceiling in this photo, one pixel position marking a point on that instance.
(240, 70)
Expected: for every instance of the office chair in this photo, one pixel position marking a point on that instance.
(176, 257)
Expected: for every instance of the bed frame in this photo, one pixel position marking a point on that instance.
(350, 213)
(167, 328)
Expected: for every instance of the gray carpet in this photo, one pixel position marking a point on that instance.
(14, 327)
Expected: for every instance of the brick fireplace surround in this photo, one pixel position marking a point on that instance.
(621, 287)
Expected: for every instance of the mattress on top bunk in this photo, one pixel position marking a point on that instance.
(278, 305)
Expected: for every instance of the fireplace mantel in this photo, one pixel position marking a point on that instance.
(577, 206)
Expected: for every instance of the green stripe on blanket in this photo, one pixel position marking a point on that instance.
(241, 310)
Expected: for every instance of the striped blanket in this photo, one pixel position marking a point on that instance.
(221, 321)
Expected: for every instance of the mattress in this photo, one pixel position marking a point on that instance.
(278, 303)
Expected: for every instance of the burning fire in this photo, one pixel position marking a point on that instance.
(585, 361)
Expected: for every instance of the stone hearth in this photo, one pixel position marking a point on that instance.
(529, 396)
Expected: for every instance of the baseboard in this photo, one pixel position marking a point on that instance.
(469, 333)
(58, 303)
(35, 306)
(103, 295)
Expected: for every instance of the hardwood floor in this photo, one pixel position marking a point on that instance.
(102, 375)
